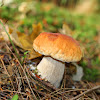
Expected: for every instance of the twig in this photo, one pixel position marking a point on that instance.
(90, 90)
(4, 52)
(24, 74)
(94, 94)
(7, 73)
(15, 92)
(29, 75)
(68, 90)
(37, 91)
(42, 83)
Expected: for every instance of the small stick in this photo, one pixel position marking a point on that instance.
(94, 94)
(35, 98)
(90, 90)
(14, 92)
(7, 72)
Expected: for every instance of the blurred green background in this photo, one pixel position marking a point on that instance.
(81, 18)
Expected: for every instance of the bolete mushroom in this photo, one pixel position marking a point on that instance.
(57, 49)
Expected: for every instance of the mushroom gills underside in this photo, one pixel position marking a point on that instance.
(51, 70)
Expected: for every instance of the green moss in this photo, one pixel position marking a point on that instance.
(91, 74)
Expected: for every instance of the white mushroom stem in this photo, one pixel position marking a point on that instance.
(51, 70)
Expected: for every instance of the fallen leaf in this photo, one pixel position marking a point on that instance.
(21, 39)
(11, 32)
(27, 40)
(37, 28)
(66, 30)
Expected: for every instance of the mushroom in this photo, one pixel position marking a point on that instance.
(57, 49)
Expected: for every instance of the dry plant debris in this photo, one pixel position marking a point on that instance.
(23, 40)
(18, 79)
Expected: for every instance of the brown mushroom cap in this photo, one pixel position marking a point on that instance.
(58, 46)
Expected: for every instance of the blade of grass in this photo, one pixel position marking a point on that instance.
(11, 42)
